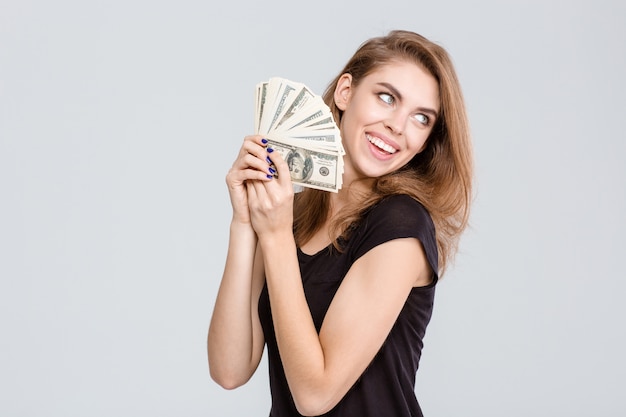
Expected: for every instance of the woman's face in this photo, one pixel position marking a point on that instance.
(386, 118)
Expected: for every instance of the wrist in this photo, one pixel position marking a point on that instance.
(277, 240)
(241, 227)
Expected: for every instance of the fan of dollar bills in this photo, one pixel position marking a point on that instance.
(298, 124)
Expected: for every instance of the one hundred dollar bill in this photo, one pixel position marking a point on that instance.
(309, 168)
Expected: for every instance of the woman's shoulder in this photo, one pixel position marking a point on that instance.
(401, 211)
(395, 217)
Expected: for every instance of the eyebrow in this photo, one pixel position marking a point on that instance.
(396, 93)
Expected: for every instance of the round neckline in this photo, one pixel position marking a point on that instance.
(306, 255)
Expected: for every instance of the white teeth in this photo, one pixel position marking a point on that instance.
(380, 144)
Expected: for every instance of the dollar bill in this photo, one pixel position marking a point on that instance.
(309, 168)
(300, 100)
(281, 103)
(261, 95)
(314, 140)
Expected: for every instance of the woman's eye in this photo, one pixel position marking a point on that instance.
(387, 98)
(422, 118)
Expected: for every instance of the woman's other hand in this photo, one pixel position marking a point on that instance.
(271, 202)
(252, 164)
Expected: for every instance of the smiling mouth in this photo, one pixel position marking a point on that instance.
(380, 144)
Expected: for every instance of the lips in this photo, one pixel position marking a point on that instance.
(380, 144)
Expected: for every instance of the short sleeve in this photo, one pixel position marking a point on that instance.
(396, 217)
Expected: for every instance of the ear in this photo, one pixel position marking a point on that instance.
(343, 91)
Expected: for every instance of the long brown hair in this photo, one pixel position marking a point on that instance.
(440, 177)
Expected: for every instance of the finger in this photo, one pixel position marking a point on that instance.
(238, 177)
(248, 166)
(253, 198)
(282, 169)
(255, 145)
(260, 193)
(250, 162)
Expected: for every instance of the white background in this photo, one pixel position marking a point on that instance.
(119, 120)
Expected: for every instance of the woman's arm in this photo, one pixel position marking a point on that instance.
(235, 338)
(320, 369)
(235, 341)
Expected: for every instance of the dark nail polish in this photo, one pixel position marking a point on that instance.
(269, 161)
(272, 171)
(264, 140)
(270, 150)
(270, 176)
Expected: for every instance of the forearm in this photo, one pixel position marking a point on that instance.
(231, 339)
(298, 342)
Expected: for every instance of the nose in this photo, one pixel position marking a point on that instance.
(395, 123)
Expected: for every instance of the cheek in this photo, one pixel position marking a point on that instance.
(418, 139)
(362, 113)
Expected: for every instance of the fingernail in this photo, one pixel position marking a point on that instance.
(269, 161)
(270, 150)
(270, 176)
(264, 140)
(272, 170)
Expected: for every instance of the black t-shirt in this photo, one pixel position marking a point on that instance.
(386, 388)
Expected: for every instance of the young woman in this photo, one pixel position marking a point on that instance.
(340, 286)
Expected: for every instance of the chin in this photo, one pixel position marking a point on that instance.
(373, 174)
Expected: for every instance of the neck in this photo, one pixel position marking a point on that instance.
(350, 193)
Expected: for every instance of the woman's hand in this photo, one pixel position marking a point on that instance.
(271, 202)
(252, 164)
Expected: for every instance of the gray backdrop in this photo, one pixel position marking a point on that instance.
(119, 120)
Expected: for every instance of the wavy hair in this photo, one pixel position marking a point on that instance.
(440, 177)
